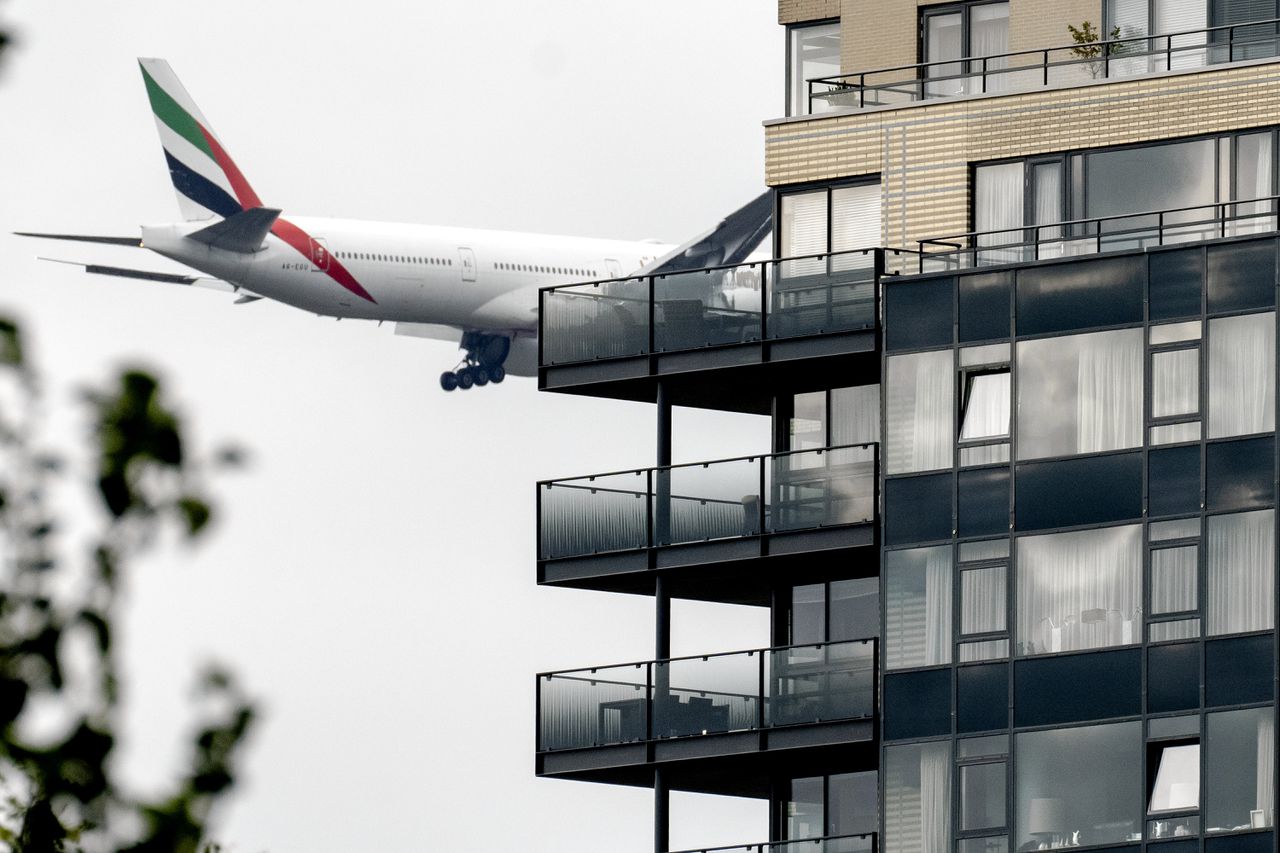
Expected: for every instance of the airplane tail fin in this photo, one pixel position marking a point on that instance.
(207, 181)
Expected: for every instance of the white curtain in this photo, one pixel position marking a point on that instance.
(1079, 590)
(1174, 578)
(989, 36)
(935, 798)
(986, 412)
(855, 415)
(982, 600)
(1242, 375)
(1175, 382)
(918, 607)
(920, 404)
(1240, 555)
(1108, 399)
(1266, 797)
(1179, 16)
(804, 232)
(1253, 180)
(998, 207)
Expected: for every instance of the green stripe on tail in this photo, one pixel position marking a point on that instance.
(172, 114)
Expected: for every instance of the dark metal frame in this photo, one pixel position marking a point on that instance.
(792, 846)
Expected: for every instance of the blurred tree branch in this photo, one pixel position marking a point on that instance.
(58, 616)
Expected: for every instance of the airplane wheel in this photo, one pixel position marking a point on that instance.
(497, 373)
(481, 375)
(448, 380)
(465, 379)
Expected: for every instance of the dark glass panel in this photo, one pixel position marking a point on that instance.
(982, 697)
(1075, 688)
(984, 502)
(1177, 280)
(1173, 678)
(1240, 474)
(917, 704)
(917, 509)
(1238, 670)
(1088, 490)
(919, 314)
(1242, 276)
(1189, 845)
(1254, 842)
(984, 306)
(1080, 295)
(851, 803)
(1173, 481)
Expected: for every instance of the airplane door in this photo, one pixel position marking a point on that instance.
(614, 268)
(319, 255)
(468, 259)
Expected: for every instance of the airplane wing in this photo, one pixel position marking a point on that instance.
(731, 241)
(163, 277)
(136, 242)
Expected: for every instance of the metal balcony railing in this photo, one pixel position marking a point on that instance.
(1102, 234)
(716, 306)
(1062, 65)
(702, 501)
(711, 694)
(868, 843)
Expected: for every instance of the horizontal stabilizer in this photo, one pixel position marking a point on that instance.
(246, 232)
(136, 242)
(150, 275)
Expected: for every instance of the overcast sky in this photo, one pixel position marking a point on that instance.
(372, 575)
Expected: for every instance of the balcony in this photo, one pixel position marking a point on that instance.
(796, 320)
(710, 719)
(1064, 65)
(868, 843)
(1122, 233)
(717, 530)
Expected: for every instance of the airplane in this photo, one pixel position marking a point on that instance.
(475, 286)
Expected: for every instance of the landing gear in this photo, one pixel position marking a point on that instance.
(482, 365)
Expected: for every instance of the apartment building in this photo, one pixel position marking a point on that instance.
(1016, 534)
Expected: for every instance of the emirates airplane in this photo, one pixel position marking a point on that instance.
(477, 287)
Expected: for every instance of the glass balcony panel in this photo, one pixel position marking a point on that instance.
(593, 515)
(1173, 827)
(704, 308)
(809, 684)
(844, 844)
(822, 487)
(584, 322)
(716, 500)
(700, 696)
(828, 293)
(593, 707)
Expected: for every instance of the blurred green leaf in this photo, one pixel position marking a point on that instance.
(196, 513)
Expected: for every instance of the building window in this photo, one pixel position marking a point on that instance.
(954, 33)
(982, 768)
(1173, 785)
(1079, 394)
(1079, 786)
(1240, 572)
(1137, 18)
(836, 805)
(917, 623)
(813, 52)
(919, 412)
(835, 612)
(828, 220)
(1240, 770)
(834, 418)
(1078, 590)
(1242, 380)
(917, 798)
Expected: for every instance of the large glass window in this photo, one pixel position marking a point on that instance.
(952, 34)
(831, 219)
(813, 51)
(918, 607)
(835, 611)
(917, 798)
(1242, 375)
(1079, 394)
(1240, 567)
(1079, 786)
(919, 412)
(1079, 590)
(1240, 770)
(835, 418)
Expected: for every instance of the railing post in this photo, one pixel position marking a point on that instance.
(653, 313)
(762, 515)
(1106, 59)
(537, 716)
(764, 300)
(649, 540)
(862, 91)
(760, 697)
(542, 329)
(662, 512)
(537, 503)
(1045, 65)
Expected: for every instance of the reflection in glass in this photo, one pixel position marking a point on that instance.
(1174, 579)
(1172, 333)
(814, 53)
(989, 354)
(808, 614)
(805, 813)
(1078, 590)
(1175, 433)
(981, 650)
(986, 406)
(1079, 394)
(855, 609)
(1240, 771)
(988, 549)
(917, 798)
(982, 796)
(1151, 177)
(809, 421)
(1180, 528)
(1079, 785)
(855, 415)
(919, 412)
(918, 607)
(1180, 629)
(1175, 382)
(1242, 375)
(852, 803)
(1240, 557)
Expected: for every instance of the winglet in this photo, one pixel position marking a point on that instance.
(245, 232)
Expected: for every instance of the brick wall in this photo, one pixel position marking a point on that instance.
(923, 151)
(1036, 25)
(800, 11)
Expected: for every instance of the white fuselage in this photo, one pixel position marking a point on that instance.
(468, 279)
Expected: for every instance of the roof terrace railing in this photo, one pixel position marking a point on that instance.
(1061, 65)
(703, 501)
(867, 843)
(708, 694)
(1121, 232)
(716, 306)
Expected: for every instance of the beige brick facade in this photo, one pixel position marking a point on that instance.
(1035, 26)
(800, 11)
(923, 152)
